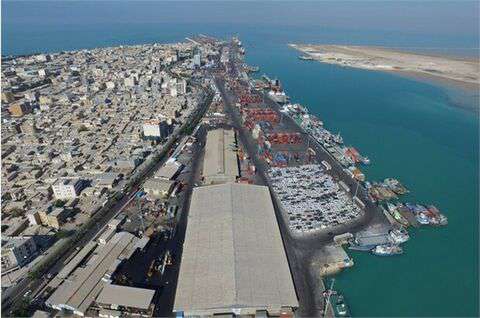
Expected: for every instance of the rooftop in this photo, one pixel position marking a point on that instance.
(233, 254)
(220, 163)
(126, 296)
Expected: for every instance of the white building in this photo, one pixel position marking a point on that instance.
(110, 85)
(129, 81)
(156, 128)
(151, 128)
(67, 189)
(197, 60)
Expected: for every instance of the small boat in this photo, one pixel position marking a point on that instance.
(305, 58)
(336, 301)
(422, 218)
(387, 250)
(365, 160)
(339, 306)
(392, 209)
(399, 236)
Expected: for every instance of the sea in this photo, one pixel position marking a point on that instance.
(422, 133)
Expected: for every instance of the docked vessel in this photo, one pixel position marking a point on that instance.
(392, 209)
(387, 250)
(251, 69)
(398, 236)
(440, 219)
(338, 139)
(339, 306)
(336, 301)
(422, 218)
(278, 96)
(395, 186)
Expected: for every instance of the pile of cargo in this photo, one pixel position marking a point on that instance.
(246, 99)
(284, 138)
(280, 160)
(259, 114)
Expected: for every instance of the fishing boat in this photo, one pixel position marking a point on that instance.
(365, 160)
(387, 250)
(392, 209)
(398, 236)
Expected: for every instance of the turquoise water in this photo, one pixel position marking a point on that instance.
(410, 130)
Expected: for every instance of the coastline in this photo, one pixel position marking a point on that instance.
(469, 91)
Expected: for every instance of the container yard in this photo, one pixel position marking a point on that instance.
(311, 198)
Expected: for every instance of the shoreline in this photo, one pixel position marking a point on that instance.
(469, 90)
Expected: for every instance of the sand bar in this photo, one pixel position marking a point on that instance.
(463, 71)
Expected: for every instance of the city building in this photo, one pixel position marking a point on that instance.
(18, 109)
(197, 61)
(16, 252)
(220, 164)
(158, 188)
(81, 285)
(233, 260)
(169, 171)
(67, 189)
(34, 217)
(125, 300)
(156, 129)
(56, 218)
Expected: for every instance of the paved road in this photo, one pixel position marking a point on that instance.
(136, 268)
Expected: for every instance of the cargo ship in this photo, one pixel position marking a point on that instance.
(387, 250)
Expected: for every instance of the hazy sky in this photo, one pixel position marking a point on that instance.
(432, 17)
(33, 26)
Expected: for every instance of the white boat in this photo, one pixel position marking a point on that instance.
(399, 236)
(387, 250)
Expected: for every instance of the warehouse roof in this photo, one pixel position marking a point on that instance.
(233, 254)
(169, 170)
(125, 296)
(85, 283)
(220, 157)
(156, 184)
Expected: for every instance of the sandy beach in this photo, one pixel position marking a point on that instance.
(462, 73)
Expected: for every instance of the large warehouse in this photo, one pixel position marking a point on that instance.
(220, 164)
(233, 258)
